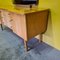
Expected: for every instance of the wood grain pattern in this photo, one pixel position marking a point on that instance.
(19, 25)
(36, 23)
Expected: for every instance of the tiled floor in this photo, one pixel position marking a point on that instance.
(12, 48)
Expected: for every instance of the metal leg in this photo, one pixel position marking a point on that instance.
(25, 45)
(41, 36)
(2, 27)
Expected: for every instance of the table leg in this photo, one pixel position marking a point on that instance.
(25, 45)
(1, 27)
(41, 38)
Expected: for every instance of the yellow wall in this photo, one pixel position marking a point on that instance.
(6, 4)
(52, 35)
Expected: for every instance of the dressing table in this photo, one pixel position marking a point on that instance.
(26, 24)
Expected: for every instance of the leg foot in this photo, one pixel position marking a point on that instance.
(25, 45)
(41, 38)
(1, 27)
